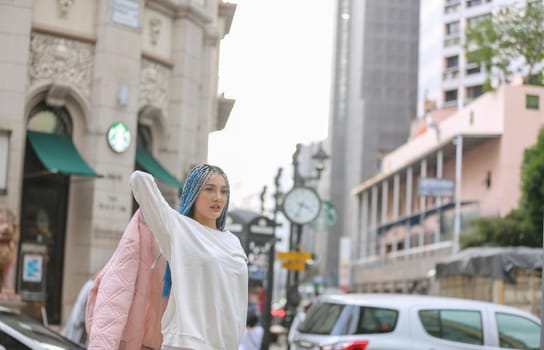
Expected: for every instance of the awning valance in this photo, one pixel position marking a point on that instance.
(59, 154)
(152, 166)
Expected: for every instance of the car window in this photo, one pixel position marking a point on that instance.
(336, 319)
(321, 318)
(463, 326)
(517, 332)
(36, 331)
(11, 343)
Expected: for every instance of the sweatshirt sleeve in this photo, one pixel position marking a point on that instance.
(157, 212)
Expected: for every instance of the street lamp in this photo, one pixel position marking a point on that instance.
(271, 258)
(301, 205)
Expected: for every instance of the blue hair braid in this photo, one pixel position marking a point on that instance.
(195, 181)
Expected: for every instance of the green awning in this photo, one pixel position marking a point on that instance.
(59, 154)
(152, 166)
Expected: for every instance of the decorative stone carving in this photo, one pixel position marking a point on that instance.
(64, 7)
(155, 25)
(9, 239)
(66, 61)
(154, 80)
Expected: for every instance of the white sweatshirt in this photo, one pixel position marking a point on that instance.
(208, 301)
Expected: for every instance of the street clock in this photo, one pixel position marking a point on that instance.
(301, 205)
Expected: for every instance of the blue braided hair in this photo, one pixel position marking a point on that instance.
(195, 181)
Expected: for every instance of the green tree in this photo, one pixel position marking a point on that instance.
(508, 43)
(532, 185)
(511, 230)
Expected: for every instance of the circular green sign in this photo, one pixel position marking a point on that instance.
(327, 217)
(119, 137)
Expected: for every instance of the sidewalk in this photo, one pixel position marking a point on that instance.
(280, 344)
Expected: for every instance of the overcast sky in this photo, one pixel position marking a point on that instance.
(276, 63)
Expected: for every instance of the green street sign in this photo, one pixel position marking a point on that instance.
(327, 217)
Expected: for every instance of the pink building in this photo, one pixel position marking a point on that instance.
(478, 151)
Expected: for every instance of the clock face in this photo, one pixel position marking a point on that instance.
(301, 205)
(119, 137)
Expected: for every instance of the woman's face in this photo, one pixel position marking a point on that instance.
(211, 201)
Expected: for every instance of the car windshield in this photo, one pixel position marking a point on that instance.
(36, 331)
(339, 319)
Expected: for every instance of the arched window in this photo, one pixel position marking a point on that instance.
(50, 120)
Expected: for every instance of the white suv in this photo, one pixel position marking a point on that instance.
(414, 322)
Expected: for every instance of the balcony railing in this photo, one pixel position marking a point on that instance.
(406, 254)
(452, 40)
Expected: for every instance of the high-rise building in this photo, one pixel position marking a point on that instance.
(374, 98)
(457, 81)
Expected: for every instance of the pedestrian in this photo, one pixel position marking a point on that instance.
(75, 326)
(297, 320)
(208, 272)
(253, 334)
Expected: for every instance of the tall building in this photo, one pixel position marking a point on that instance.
(374, 98)
(91, 91)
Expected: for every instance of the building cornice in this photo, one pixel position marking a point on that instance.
(226, 11)
(157, 59)
(182, 9)
(64, 33)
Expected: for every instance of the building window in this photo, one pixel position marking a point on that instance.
(50, 120)
(472, 3)
(452, 62)
(474, 21)
(452, 6)
(452, 28)
(532, 102)
(450, 96)
(474, 91)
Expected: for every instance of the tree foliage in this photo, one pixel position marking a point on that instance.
(511, 230)
(532, 184)
(522, 226)
(508, 43)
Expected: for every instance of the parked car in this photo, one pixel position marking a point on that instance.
(20, 332)
(414, 322)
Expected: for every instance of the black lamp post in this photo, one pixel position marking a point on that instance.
(271, 257)
(319, 159)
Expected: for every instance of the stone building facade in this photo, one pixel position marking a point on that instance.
(90, 91)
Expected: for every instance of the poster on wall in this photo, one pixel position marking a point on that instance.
(32, 268)
(32, 271)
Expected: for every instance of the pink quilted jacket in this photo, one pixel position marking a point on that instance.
(125, 305)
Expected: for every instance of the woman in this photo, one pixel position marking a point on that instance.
(208, 299)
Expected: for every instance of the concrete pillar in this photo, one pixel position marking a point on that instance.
(408, 209)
